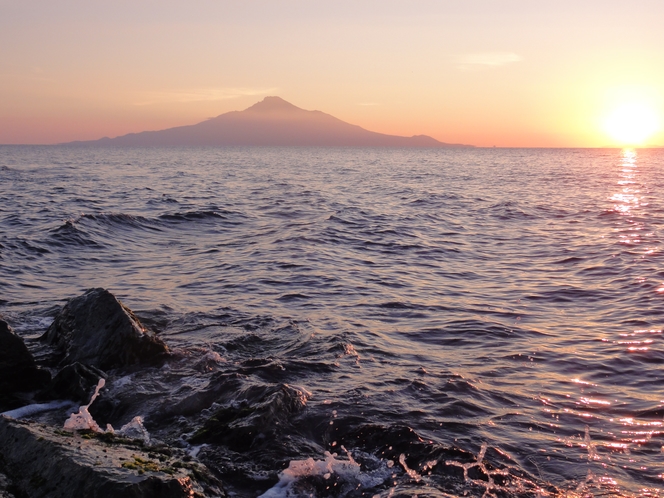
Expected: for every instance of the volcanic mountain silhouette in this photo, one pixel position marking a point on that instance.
(273, 121)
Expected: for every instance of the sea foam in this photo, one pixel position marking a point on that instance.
(342, 474)
(28, 410)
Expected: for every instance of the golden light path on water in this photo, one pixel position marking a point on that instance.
(627, 436)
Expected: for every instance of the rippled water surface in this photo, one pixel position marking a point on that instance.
(489, 311)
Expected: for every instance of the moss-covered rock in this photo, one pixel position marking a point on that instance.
(45, 462)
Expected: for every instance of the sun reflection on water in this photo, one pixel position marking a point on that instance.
(623, 433)
(627, 197)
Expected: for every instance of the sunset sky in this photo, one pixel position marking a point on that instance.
(483, 72)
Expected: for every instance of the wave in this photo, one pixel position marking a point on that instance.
(99, 230)
(30, 249)
(118, 220)
(183, 216)
(68, 234)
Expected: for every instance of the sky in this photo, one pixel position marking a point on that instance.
(509, 73)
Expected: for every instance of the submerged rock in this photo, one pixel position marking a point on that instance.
(96, 329)
(256, 422)
(18, 372)
(47, 462)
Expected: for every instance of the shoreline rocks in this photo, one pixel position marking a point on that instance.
(92, 333)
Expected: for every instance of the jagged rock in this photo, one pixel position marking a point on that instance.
(98, 330)
(257, 421)
(47, 462)
(75, 382)
(18, 372)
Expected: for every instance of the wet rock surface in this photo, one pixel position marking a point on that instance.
(74, 382)
(18, 371)
(96, 329)
(258, 421)
(5, 487)
(47, 462)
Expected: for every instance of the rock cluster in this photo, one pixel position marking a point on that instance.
(93, 334)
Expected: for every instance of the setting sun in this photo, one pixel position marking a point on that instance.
(631, 124)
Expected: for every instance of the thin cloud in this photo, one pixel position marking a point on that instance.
(368, 103)
(202, 95)
(487, 59)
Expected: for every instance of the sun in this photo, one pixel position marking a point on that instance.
(631, 124)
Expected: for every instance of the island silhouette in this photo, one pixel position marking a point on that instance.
(275, 122)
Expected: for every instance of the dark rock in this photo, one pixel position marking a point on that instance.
(47, 462)
(258, 421)
(98, 330)
(5, 487)
(256, 433)
(223, 387)
(18, 372)
(75, 382)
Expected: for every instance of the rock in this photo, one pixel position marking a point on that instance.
(5, 486)
(98, 330)
(75, 382)
(262, 429)
(259, 421)
(18, 372)
(47, 462)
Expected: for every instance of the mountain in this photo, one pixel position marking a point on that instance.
(273, 121)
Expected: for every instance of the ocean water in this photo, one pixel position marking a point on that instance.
(373, 322)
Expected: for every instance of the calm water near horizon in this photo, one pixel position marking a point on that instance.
(432, 307)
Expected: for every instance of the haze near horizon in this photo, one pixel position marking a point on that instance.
(509, 73)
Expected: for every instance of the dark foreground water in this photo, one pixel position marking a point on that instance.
(420, 314)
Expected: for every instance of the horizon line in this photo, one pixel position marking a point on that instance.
(86, 143)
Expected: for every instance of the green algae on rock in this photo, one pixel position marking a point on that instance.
(43, 462)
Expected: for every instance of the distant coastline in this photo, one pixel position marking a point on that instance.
(270, 122)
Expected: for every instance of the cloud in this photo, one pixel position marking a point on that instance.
(487, 59)
(202, 95)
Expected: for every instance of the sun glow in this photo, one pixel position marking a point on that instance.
(631, 124)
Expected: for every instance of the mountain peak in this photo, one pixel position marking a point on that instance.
(273, 104)
(272, 122)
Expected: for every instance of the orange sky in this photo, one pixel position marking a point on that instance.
(484, 72)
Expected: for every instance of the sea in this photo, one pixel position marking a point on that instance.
(365, 321)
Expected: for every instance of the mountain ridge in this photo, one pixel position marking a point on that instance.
(271, 122)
